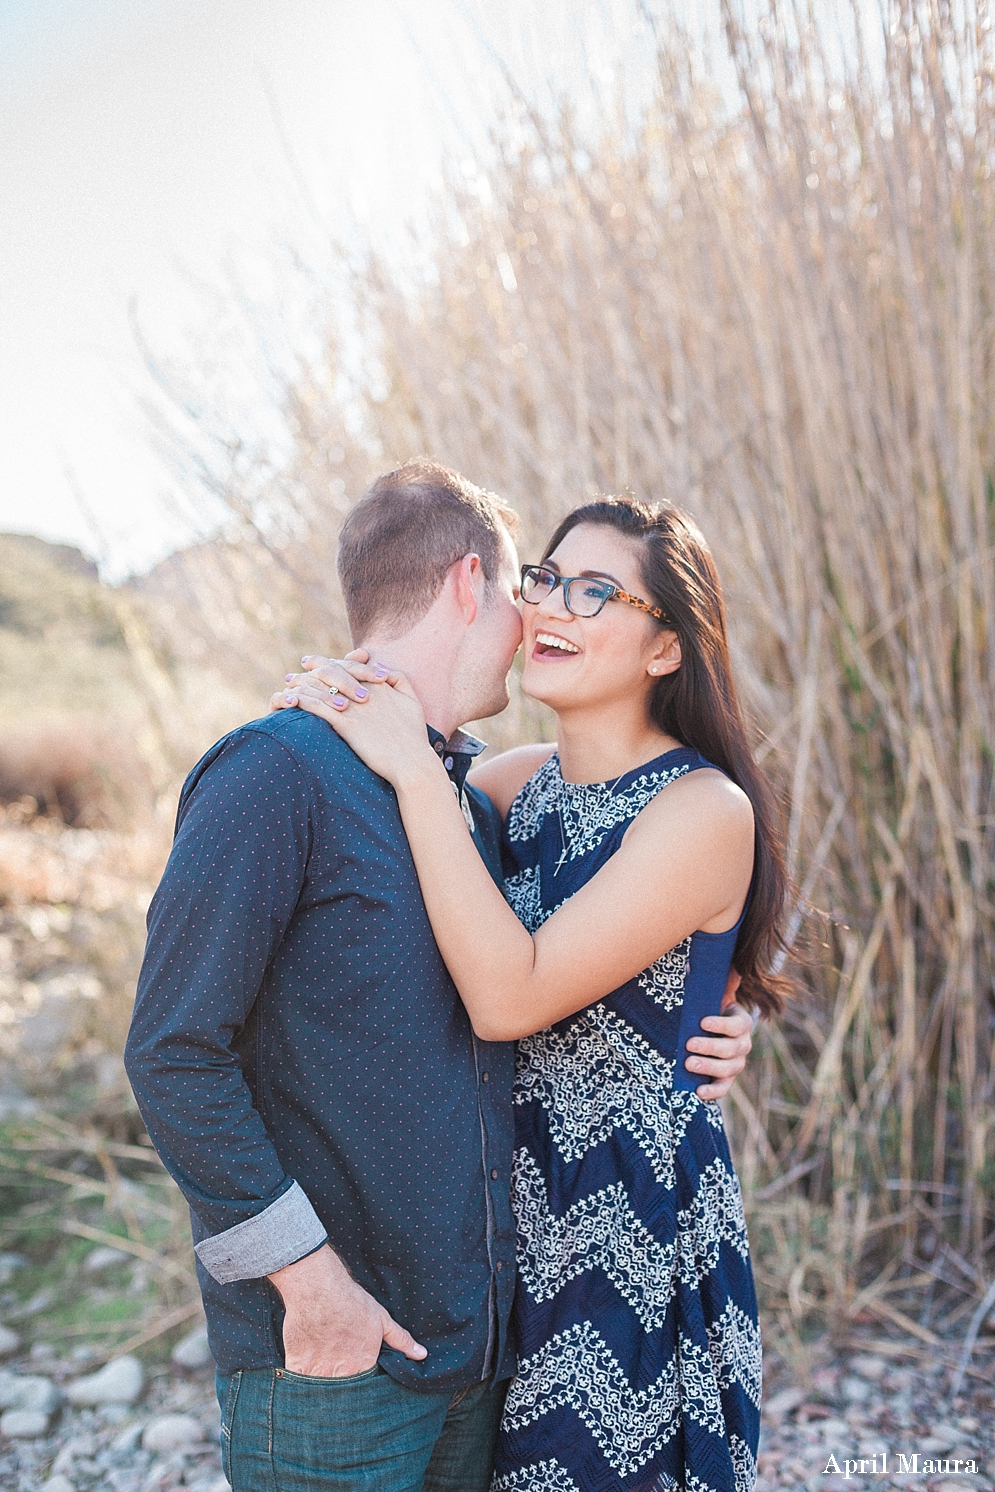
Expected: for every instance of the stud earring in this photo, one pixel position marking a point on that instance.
(653, 668)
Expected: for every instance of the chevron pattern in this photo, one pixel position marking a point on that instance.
(641, 1366)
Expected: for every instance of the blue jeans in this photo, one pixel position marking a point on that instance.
(284, 1432)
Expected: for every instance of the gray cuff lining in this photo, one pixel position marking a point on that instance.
(288, 1229)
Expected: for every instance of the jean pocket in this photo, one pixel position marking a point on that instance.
(313, 1381)
(227, 1415)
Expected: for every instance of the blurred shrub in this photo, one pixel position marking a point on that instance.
(81, 772)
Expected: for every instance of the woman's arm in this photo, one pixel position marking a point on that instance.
(685, 863)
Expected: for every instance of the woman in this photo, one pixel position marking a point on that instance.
(642, 861)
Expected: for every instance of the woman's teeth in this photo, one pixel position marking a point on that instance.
(547, 640)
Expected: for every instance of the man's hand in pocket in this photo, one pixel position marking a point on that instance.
(333, 1328)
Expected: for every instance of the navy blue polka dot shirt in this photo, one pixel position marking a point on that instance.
(304, 1064)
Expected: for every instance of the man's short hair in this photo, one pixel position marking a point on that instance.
(403, 536)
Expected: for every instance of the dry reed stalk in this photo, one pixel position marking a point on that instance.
(776, 309)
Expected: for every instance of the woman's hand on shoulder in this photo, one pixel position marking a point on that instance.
(385, 727)
(345, 679)
(502, 777)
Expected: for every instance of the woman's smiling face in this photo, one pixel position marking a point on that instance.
(572, 662)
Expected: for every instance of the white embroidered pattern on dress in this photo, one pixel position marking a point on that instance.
(664, 980)
(599, 1232)
(589, 811)
(713, 1218)
(541, 1476)
(577, 1368)
(744, 1464)
(523, 894)
(537, 798)
(599, 1076)
(734, 1342)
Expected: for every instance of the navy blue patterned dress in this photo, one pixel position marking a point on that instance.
(638, 1344)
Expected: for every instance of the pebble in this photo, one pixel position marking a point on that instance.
(193, 1351)
(172, 1432)
(9, 1341)
(780, 1404)
(103, 1257)
(28, 1391)
(58, 1483)
(23, 1424)
(119, 1382)
(871, 1368)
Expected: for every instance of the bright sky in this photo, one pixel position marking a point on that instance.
(145, 143)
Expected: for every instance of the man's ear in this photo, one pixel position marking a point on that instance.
(666, 657)
(470, 583)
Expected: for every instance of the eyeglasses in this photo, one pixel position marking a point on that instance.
(582, 595)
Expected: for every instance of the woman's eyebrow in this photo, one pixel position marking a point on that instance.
(603, 575)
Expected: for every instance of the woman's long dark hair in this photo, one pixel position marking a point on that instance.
(698, 706)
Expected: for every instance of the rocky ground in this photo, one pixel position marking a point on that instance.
(126, 1429)
(865, 1410)
(122, 1428)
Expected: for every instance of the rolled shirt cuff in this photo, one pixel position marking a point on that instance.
(284, 1232)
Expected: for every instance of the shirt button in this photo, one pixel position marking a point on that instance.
(485, 1077)
(448, 764)
(494, 1174)
(499, 1266)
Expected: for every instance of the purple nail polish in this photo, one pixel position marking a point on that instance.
(339, 702)
(381, 671)
(361, 693)
(287, 677)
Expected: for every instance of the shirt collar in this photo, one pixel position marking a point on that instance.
(457, 753)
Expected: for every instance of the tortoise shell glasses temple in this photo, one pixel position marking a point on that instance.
(615, 593)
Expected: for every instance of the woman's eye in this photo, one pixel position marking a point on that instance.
(596, 592)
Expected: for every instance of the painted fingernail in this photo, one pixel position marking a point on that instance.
(382, 672)
(306, 657)
(362, 693)
(290, 698)
(339, 703)
(287, 677)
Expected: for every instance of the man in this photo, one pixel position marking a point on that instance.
(306, 1069)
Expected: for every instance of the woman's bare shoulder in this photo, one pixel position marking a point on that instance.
(503, 777)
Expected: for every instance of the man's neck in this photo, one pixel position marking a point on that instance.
(429, 667)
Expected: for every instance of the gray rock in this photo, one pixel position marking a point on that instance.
(9, 1265)
(114, 1413)
(119, 1382)
(103, 1257)
(780, 1404)
(832, 1429)
(129, 1438)
(74, 1449)
(871, 1368)
(23, 1424)
(944, 1438)
(9, 1341)
(28, 1391)
(172, 1432)
(856, 1390)
(58, 1483)
(192, 1352)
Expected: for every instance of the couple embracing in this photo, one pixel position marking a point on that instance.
(421, 1040)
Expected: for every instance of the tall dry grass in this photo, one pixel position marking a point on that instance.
(770, 300)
